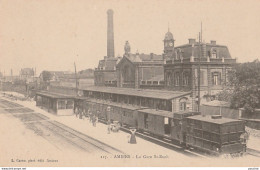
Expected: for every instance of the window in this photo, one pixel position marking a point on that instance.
(177, 79)
(183, 104)
(185, 79)
(168, 79)
(214, 53)
(216, 78)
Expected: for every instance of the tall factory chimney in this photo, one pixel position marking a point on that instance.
(110, 34)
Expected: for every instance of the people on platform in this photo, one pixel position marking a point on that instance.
(132, 137)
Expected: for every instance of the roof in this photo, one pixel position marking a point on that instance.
(216, 121)
(217, 103)
(121, 105)
(108, 63)
(186, 50)
(157, 112)
(168, 36)
(158, 94)
(54, 95)
(144, 57)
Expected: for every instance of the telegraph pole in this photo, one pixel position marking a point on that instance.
(200, 51)
(76, 78)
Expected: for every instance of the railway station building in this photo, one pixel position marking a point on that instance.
(181, 68)
(140, 70)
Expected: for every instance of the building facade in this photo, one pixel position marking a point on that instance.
(140, 70)
(213, 61)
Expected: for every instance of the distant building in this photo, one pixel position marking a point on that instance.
(27, 73)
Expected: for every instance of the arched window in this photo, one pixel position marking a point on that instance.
(216, 78)
(183, 104)
(168, 78)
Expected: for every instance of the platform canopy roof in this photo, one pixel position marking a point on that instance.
(54, 95)
(158, 94)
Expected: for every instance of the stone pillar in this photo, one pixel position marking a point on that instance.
(223, 76)
(136, 78)
(193, 89)
(209, 80)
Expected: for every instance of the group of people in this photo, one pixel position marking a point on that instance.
(82, 114)
(93, 118)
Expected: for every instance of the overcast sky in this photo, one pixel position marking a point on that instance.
(52, 34)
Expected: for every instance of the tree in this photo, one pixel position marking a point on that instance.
(243, 88)
(46, 76)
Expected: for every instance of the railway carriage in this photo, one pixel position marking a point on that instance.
(215, 135)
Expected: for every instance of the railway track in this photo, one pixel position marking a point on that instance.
(253, 152)
(88, 143)
(78, 138)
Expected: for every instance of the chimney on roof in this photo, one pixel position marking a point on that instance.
(192, 41)
(213, 42)
(216, 116)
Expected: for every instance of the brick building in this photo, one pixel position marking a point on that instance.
(181, 68)
(135, 70)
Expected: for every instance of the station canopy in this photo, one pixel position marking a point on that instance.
(157, 94)
(54, 95)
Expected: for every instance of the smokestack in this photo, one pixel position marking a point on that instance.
(110, 34)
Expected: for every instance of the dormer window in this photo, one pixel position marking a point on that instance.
(214, 54)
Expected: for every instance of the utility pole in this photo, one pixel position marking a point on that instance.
(200, 49)
(76, 78)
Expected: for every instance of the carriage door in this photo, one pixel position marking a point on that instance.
(146, 120)
(167, 126)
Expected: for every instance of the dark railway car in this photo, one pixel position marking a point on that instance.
(178, 128)
(215, 135)
(156, 122)
(164, 124)
(123, 113)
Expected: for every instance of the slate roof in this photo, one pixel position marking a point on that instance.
(222, 51)
(144, 58)
(108, 64)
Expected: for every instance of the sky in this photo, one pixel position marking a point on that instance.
(53, 34)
